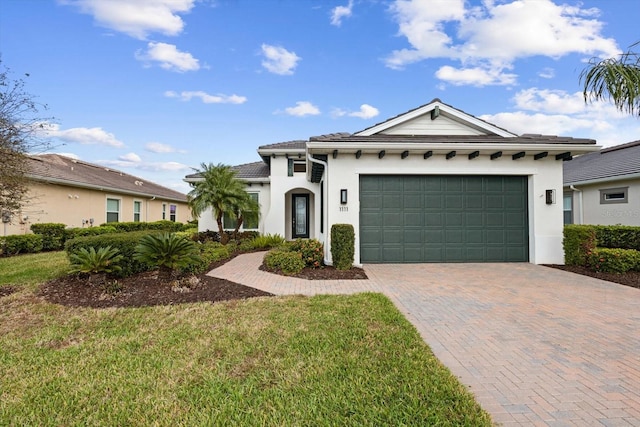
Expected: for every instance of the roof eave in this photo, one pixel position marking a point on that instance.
(603, 179)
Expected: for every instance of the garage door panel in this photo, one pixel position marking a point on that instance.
(443, 218)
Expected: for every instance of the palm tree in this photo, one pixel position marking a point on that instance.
(616, 79)
(246, 206)
(219, 190)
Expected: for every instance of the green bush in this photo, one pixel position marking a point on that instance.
(210, 252)
(283, 260)
(162, 225)
(618, 236)
(311, 249)
(615, 260)
(342, 246)
(167, 251)
(579, 242)
(20, 244)
(53, 235)
(267, 241)
(96, 263)
(124, 242)
(72, 233)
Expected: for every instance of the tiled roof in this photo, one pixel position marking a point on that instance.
(246, 171)
(446, 139)
(616, 161)
(293, 145)
(68, 171)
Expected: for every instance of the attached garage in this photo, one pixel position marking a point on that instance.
(443, 218)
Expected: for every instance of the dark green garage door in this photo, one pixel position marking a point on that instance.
(443, 219)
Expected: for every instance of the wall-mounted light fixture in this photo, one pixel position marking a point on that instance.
(550, 197)
(343, 196)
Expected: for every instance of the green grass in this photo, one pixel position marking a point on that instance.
(321, 361)
(31, 269)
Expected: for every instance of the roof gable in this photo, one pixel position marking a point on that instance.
(435, 118)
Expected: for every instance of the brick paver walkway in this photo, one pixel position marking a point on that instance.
(536, 345)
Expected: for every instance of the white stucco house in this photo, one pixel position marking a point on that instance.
(434, 184)
(603, 187)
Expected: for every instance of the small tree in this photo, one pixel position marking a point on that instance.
(219, 190)
(167, 251)
(244, 207)
(20, 131)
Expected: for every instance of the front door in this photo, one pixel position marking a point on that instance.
(300, 216)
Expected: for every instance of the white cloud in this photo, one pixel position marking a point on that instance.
(547, 73)
(206, 98)
(340, 12)
(169, 57)
(279, 60)
(477, 76)
(157, 147)
(131, 157)
(303, 108)
(84, 136)
(366, 112)
(555, 112)
(136, 18)
(492, 36)
(146, 166)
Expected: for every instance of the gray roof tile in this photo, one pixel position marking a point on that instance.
(68, 171)
(246, 171)
(447, 139)
(616, 161)
(294, 145)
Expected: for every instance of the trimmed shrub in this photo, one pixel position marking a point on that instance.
(53, 235)
(72, 233)
(210, 252)
(614, 260)
(312, 251)
(579, 242)
(283, 260)
(20, 244)
(618, 236)
(124, 242)
(342, 246)
(162, 225)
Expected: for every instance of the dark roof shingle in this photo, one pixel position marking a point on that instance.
(68, 171)
(616, 161)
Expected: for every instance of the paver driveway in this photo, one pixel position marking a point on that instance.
(536, 345)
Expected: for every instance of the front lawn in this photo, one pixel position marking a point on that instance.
(325, 360)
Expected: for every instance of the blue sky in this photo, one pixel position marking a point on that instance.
(157, 87)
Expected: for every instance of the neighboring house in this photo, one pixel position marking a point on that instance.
(604, 187)
(434, 184)
(80, 194)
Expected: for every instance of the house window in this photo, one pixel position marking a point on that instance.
(250, 220)
(299, 167)
(614, 195)
(172, 212)
(164, 211)
(567, 208)
(137, 209)
(289, 167)
(113, 210)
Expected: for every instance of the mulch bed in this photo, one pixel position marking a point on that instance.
(145, 289)
(630, 278)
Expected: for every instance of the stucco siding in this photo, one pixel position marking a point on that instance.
(54, 203)
(545, 221)
(594, 212)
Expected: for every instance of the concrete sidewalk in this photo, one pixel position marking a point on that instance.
(536, 345)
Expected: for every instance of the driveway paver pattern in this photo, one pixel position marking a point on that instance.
(535, 345)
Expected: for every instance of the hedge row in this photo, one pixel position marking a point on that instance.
(52, 236)
(606, 248)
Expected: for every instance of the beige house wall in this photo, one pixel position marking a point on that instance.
(76, 207)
